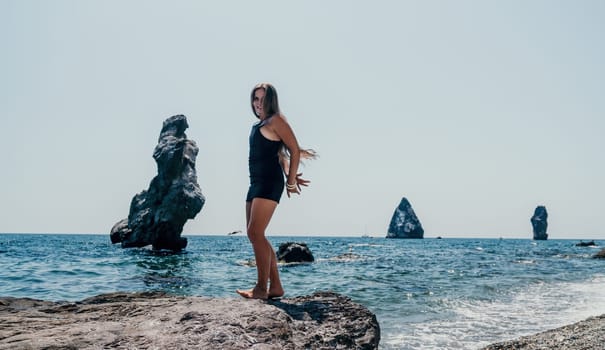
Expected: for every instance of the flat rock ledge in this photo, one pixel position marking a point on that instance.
(155, 320)
(586, 334)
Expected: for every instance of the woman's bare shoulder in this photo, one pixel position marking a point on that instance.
(278, 120)
(282, 117)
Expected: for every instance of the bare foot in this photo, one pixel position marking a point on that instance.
(254, 293)
(275, 292)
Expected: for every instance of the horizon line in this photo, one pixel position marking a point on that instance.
(316, 235)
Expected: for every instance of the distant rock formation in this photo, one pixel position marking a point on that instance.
(586, 244)
(291, 252)
(586, 334)
(154, 320)
(157, 215)
(539, 223)
(404, 223)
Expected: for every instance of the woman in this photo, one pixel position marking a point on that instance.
(274, 152)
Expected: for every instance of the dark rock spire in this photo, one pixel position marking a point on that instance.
(404, 223)
(157, 215)
(539, 223)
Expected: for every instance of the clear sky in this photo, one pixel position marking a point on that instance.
(476, 111)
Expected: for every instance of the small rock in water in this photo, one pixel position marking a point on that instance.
(600, 255)
(292, 252)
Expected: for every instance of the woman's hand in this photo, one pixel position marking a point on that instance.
(295, 187)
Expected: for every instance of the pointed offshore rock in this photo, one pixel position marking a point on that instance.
(157, 215)
(539, 223)
(404, 223)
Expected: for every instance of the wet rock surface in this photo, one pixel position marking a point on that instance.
(155, 320)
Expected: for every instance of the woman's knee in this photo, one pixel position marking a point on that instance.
(255, 236)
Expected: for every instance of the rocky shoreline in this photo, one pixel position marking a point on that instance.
(155, 320)
(586, 334)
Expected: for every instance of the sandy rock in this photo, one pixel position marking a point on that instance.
(586, 334)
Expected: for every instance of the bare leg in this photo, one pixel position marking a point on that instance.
(258, 215)
(275, 288)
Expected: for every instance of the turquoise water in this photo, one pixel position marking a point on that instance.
(427, 294)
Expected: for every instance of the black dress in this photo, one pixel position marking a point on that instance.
(266, 174)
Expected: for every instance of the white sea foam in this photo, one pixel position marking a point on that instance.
(366, 245)
(476, 323)
(525, 261)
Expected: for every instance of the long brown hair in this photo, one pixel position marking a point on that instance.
(271, 107)
(270, 103)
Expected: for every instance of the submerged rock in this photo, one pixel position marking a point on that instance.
(404, 223)
(155, 320)
(157, 215)
(291, 252)
(586, 244)
(600, 255)
(539, 223)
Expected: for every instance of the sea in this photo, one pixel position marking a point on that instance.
(426, 293)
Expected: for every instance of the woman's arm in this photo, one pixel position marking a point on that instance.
(281, 127)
